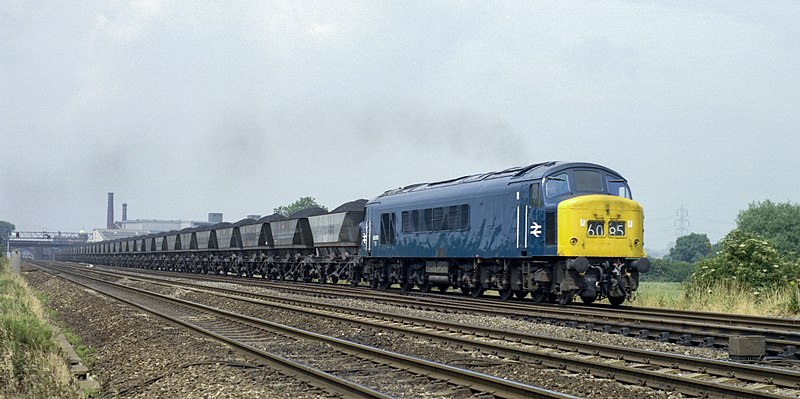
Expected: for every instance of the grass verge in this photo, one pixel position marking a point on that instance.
(724, 297)
(31, 362)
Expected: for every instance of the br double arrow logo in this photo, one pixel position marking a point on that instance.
(536, 229)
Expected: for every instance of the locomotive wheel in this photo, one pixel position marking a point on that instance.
(505, 293)
(406, 286)
(425, 287)
(443, 288)
(520, 294)
(616, 300)
(384, 285)
(588, 299)
(538, 296)
(476, 291)
(565, 298)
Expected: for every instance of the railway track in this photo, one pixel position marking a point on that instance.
(333, 363)
(703, 329)
(684, 374)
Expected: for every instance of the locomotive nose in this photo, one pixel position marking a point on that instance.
(600, 226)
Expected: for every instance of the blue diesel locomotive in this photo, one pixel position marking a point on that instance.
(555, 230)
(551, 230)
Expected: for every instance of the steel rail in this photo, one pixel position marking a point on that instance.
(319, 378)
(724, 371)
(468, 378)
(777, 337)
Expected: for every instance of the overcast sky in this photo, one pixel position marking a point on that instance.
(185, 108)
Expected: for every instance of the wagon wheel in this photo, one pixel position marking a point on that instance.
(425, 287)
(373, 283)
(334, 279)
(465, 290)
(520, 294)
(538, 296)
(355, 278)
(476, 291)
(406, 285)
(505, 293)
(616, 300)
(384, 285)
(443, 288)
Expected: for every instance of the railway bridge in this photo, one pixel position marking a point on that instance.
(42, 243)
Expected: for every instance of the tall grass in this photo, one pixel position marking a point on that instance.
(725, 297)
(31, 363)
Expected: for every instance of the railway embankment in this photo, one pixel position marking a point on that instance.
(32, 362)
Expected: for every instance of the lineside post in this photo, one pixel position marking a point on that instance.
(16, 260)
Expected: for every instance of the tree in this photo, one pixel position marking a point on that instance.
(778, 223)
(302, 203)
(690, 248)
(5, 229)
(668, 270)
(747, 260)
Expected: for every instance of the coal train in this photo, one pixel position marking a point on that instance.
(552, 230)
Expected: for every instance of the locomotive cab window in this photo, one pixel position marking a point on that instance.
(557, 185)
(536, 196)
(618, 187)
(588, 181)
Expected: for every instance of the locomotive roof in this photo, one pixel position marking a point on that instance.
(530, 172)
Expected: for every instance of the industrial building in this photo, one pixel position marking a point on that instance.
(130, 228)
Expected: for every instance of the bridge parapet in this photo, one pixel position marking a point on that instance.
(47, 236)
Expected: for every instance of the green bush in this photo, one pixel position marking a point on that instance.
(748, 261)
(664, 270)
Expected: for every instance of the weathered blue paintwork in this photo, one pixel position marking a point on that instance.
(502, 221)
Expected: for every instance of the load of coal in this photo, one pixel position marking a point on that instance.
(352, 206)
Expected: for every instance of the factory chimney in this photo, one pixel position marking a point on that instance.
(124, 212)
(110, 217)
